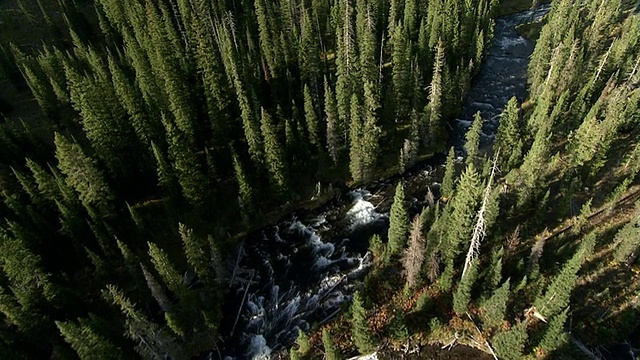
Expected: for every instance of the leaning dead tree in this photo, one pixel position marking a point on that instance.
(480, 230)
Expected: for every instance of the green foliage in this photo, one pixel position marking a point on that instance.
(304, 345)
(378, 248)
(363, 337)
(555, 336)
(331, 351)
(398, 222)
(398, 327)
(462, 296)
(448, 181)
(88, 343)
(494, 308)
(626, 239)
(508, 344)
(558, 293)
(509, 138)
(473, 137)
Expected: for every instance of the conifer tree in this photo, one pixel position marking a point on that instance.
(311, 118)
(335, 137)
(401, 74)
(86, 342)
(448, 181)
(462, 296)
(494, 308)
(83, 175)
(246, 196)
(371, 132)
(362, 335)
(554, 336)
(274, 155)
(464, 203)
(331, 351)
(509, 139)
(398, 222)
(436, 94)
(558, 293)
(413, 257)
(356, 148)
(508, 344)
(473, 137)
(188, 168)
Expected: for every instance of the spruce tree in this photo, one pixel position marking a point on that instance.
(462, 296)
(413, 257)
(86, 342)
(311, 118)
(335, 136)
(464, 203)
(448, 181)
(331, 351)
(494, 309)
(363, 337)
(509, 139)
(398, 222)
(82, 173)
(274, 155)
(436, 94)
(508, 344)
(558, 293)
(554, 336)
(473, 137)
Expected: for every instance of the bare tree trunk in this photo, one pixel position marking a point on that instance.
(479, 231)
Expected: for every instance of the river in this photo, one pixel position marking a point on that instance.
(299, 272)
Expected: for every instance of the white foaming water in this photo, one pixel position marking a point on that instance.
(362, 212)
(506, 42)
(258, 348)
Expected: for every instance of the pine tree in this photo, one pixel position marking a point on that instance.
(448, 181)
(246, 197)
(508, 344)
(311, 118)
(304, 345)
(274, 155)
(462, 296)
(436, 94)
(626, 240)
(558, 293)
(362, 335)
(356, 148)
(331, 351)
(335, 137)
(464, 203)
(371, 132)
(473, 138)
(413, 257)
(495, 308)
(401, 74)
(554, 336)
(398, 222)
(86, 342)
(509, 139)
(83, 175)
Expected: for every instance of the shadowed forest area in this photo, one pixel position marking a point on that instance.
(141, 140)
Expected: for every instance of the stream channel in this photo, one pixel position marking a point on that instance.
(300, 271)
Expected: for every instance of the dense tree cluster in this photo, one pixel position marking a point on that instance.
(167, 111)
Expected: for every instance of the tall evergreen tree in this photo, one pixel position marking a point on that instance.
(473, 137)
(83, 175)
(509, 139)
(362, 334)
(274, 155)
(398, 221)
(448, 181)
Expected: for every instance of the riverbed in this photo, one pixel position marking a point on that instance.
(300, 272)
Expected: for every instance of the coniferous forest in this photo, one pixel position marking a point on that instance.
(140, 140)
